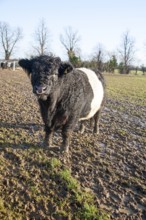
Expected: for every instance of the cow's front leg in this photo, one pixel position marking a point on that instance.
(66, 135)
(67, 132)
(48, 137)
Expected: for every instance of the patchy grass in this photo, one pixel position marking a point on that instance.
(48, 189)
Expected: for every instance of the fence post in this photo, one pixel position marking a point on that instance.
(14, 66)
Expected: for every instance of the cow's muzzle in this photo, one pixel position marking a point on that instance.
(40, 90)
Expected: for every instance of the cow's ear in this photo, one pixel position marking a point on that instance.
(26, 65)
(65, 68)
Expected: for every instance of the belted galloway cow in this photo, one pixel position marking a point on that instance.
(66, 95)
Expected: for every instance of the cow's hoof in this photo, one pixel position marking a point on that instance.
(64, 156)
(64, 150)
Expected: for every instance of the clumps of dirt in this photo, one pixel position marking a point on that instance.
(38, 183)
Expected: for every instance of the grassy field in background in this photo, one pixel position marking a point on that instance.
(127, 87)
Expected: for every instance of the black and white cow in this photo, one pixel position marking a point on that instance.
(65, 94)
(4, 65)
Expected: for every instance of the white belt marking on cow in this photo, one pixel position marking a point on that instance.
(98, 92)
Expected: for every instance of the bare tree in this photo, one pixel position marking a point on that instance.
(70, 40)
(126, 52)
(99, 57)
(42, 37)
(9, 38)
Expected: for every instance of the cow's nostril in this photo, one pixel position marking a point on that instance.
(44, 88)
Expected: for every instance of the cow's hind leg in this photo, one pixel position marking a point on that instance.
(96, 122)
(82, 127)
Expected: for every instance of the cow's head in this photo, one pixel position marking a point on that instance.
(44, 72)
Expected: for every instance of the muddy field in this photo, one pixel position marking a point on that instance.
(104, 176)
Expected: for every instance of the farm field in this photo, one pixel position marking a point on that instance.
(104, 176)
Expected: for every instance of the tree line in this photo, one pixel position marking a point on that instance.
(70, 39)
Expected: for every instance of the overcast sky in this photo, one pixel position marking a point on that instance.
(97, 21)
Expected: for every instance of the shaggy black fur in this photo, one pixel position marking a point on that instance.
(64, 94)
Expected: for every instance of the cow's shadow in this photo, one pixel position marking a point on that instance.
(21, 125)
(22, 144)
